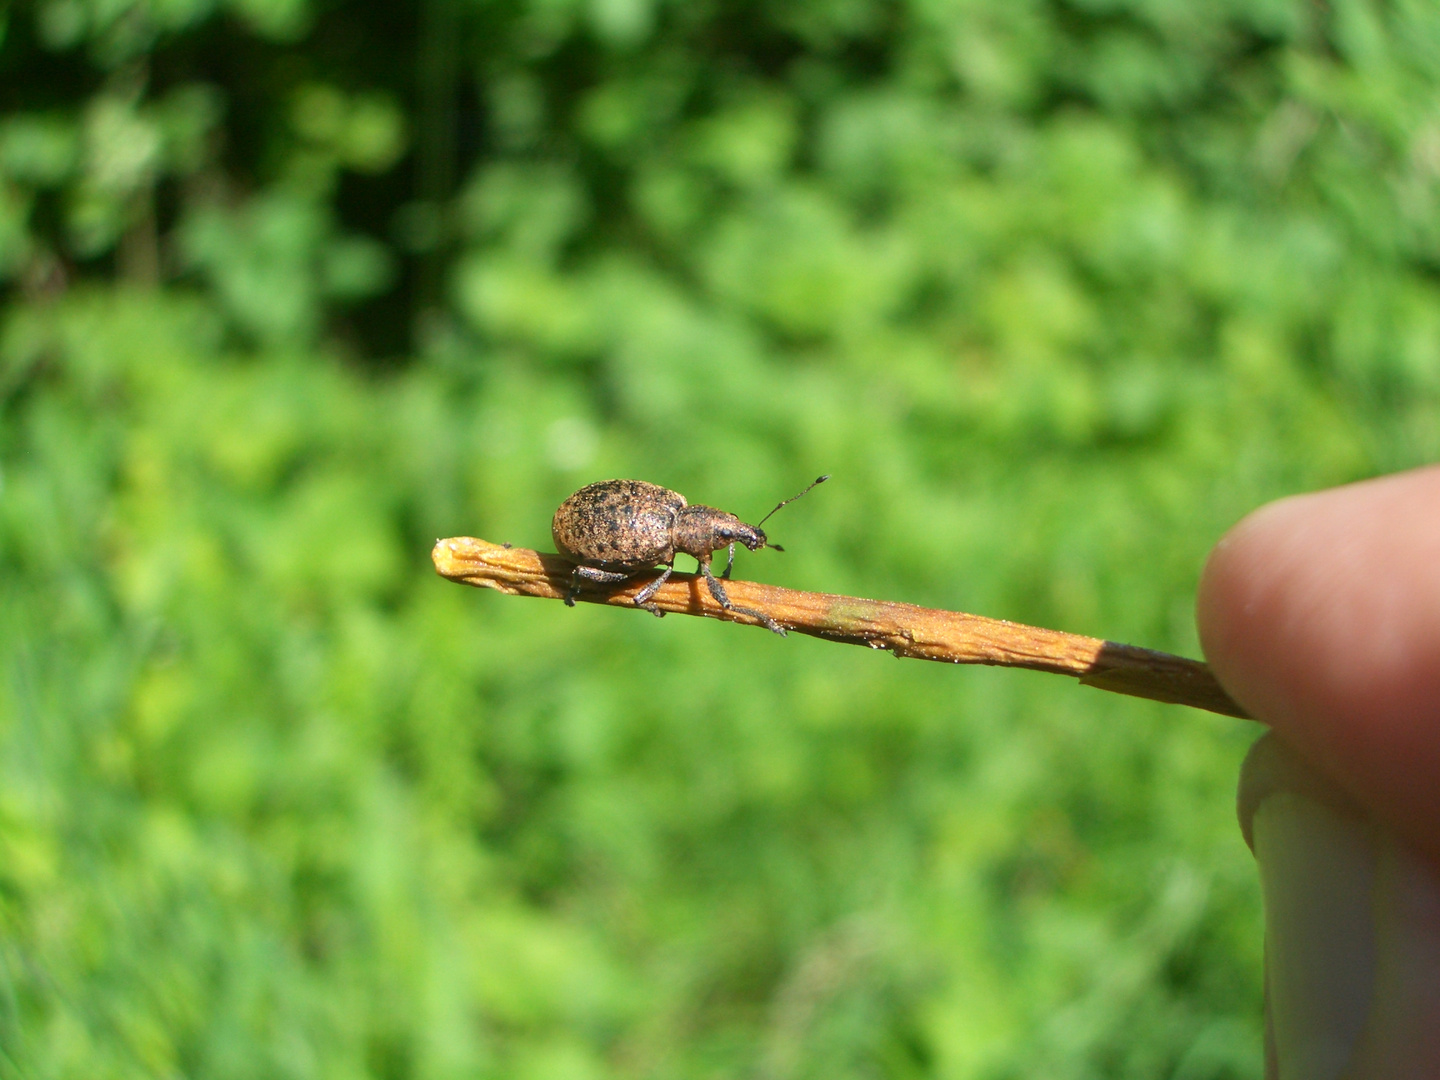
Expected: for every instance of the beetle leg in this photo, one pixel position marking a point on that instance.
(730, 562)
(723, 599)
(642, 598)
(591, 573)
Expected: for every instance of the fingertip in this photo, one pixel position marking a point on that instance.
(1321, 615)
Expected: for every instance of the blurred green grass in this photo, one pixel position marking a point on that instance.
(1056, 293)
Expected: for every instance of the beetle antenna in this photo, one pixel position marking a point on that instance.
(792, 498)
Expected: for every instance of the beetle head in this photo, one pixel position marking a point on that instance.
(700, 530)
(736, 531)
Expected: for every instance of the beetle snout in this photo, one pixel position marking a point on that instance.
(751, 537)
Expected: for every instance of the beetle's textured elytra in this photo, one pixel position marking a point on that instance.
(618, 524)
(616, 529)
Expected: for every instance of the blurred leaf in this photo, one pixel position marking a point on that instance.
(14, 237)
(355, 267)
(122, 148)
(375, 134)
(622, 23)
(38, 149)
(282, 19)
(263, 260)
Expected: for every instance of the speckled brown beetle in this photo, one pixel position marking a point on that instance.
(617, 529)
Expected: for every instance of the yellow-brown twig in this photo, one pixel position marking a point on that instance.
(903, 629)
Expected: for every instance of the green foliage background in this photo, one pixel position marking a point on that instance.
(1056, 291)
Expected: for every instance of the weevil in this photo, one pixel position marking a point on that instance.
(615, 530)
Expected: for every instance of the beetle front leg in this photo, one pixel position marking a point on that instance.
(723, 599)
(730, 562)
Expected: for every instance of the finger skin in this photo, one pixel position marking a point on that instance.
(1321, 615)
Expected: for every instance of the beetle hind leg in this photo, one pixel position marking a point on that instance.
(591, 573)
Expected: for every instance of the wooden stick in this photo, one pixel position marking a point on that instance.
(903, 629)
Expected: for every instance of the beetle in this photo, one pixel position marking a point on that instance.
(615, 530)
